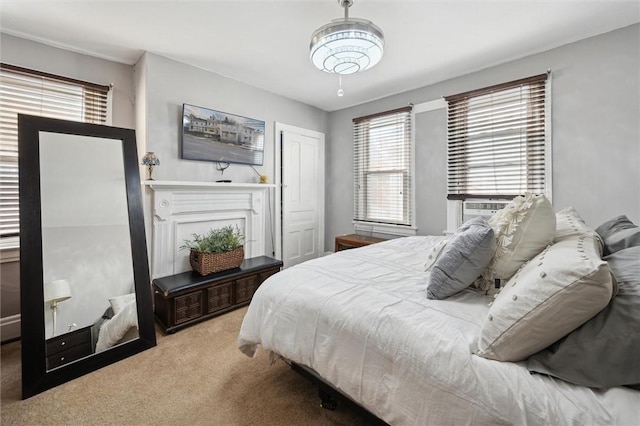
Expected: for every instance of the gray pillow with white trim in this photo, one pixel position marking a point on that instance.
(465, 256)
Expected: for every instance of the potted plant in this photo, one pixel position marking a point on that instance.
(218, 250)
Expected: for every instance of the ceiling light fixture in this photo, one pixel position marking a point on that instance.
(346, 45)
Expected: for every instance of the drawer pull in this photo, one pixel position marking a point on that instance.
(63, 343)
(61, 358)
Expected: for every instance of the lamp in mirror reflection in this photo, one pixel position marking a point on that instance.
(55, 292)
(150, 160)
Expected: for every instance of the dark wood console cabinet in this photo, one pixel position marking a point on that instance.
(183, 299)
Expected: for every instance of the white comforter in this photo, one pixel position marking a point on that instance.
(116, 329)
(360, 318)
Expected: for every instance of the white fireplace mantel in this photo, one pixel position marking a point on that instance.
(180, 209)
(177, 184)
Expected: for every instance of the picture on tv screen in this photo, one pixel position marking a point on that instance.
(209, 135)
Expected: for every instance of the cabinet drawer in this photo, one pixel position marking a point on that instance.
(219, 297)
(68, 355)
(68, 340)
(188, 307)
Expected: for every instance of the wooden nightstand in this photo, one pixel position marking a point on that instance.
(345, 242)
(68, 347)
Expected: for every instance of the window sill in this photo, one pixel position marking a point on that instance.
(385, 229)
(10, 250)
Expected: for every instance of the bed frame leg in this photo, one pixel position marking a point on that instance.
(329, 401)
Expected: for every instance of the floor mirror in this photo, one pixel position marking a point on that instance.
(84, 274)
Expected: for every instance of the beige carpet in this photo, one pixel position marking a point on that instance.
(196, 376)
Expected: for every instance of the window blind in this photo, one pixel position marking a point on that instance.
(497, 140)
(383, 151)
(24, 91)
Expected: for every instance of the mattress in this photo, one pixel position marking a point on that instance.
(361, 319)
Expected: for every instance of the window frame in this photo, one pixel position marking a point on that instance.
(95, 103)
(363, 220)
(454, 121)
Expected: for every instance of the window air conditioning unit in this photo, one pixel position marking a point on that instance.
(485, 208)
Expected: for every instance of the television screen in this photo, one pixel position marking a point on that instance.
(209, 135)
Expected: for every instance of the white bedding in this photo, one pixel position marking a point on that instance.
(119, 328)
(360, 318)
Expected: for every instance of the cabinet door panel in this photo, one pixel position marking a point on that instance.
(188, 307)
(266, 274)
(219, 297)
(245, 288)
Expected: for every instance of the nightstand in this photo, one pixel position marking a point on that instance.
(345, 242)
(68, 347)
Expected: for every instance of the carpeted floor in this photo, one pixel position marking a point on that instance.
(196, 376)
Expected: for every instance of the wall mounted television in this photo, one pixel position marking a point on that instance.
(209, 135)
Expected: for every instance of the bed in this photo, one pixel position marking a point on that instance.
(118, 323)
(362, 321)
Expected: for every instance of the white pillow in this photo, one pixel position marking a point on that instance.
(553, 294)
(522, 229)
(569, 223)
(119, 302)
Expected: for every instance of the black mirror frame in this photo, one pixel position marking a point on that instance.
(35, 376)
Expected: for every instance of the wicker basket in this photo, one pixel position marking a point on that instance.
(208, 263)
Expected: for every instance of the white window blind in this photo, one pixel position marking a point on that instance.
(24, 91)
(383, 152)
(497, 140)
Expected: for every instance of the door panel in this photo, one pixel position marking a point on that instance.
(301, 203)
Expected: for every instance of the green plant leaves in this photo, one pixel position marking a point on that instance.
(218, 240)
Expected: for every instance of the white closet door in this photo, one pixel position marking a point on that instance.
(302, 197)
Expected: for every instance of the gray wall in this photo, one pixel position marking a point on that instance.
(595, 133)
(168, 84)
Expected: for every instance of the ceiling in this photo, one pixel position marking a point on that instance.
(265, 43)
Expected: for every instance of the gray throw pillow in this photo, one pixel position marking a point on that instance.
(618, 233)
(465, 257)
(605, 351)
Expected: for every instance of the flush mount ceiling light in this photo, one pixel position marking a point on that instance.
(348, 45)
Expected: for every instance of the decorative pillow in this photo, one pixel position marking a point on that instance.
(119, 302)
(434, 254)
(464, 258)
(604, 351)
(618, 233)
(569, 224)
(522, 229)
(557, 291)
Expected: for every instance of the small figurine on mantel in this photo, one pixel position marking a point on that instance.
(263, 178)
(221, 166)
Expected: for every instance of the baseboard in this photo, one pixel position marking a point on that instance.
(10, 327)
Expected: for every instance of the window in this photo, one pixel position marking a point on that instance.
(25, 91)
(498, 141)
(383, 152)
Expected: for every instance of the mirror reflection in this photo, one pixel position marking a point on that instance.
(88, 277)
